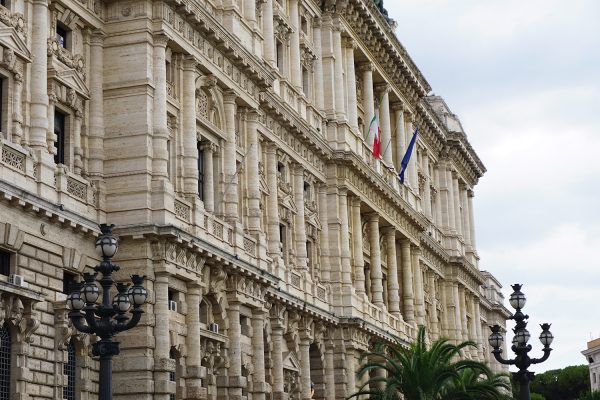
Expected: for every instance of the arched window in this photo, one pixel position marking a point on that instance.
(69, 369)
(5, 358)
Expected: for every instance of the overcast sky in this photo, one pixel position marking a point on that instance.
(524, 78)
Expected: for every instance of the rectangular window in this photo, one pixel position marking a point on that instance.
(2, 104)
(200, 172)
(4, 263)
(61, 35)
(59, 131)
(68, 281)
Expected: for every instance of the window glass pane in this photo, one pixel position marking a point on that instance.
(59, 131)
(4, 263)
(69, 372)
(5, 361)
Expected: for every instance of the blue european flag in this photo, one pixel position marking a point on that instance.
(406, 158)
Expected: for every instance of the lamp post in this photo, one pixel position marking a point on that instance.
(519, 344)
(106, 319)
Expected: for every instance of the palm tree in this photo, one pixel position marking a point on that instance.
(422, 373)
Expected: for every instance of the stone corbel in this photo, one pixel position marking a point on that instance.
(17, 311)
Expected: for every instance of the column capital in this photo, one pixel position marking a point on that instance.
(189, 63)
(365, 66)
(349, 42)
(297, 168)
(389, 231)
(355, 201)
(397, 106)
(405, 242)
(97, 38)
(415, 250)
(372, 217)
(270, 147)
(383, 88)
(160, 40)
(470, 193)
(209, 146)
(251, 115)
(316, 23)
(229, 96)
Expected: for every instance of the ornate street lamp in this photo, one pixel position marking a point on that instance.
(519, 344)
(106, 319)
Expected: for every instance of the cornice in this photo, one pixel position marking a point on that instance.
(298, 126)
(224, 40)
(214, 254)
(371, 26)
(418, 223)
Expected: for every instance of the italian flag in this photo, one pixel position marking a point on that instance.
(374, 137)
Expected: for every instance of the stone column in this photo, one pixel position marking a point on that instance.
(465, 215)
(357, 237)
(464, 329)
(419, 290)
(451, 209)
(39, 77)
(327, 55)
(412, 165)
(250, 12)
(324, 242)
(340, 103)
(50, 135)
(251, 164)
(350, 366)
(277, 360)
(351, 84)
(235, 352)
(190, 138)
(318, 65)
(385, 124)
(376, 273)
(274, 240)
(77, 150)
(192, 341)
(268, 33)
(345, 240)
(389, 234)
(258, 355)
(427, 190)
(230, 190)
(368, 98)
(478, 329)
(457, 216)
(96, 122)
(17, 117)
(435, 326)
(295, 45)
(407, 282)
(329, 370)
(457, 315)
(209, 149)
(300, 225)
(470, 195)
(162, 344)
(160, 134)
(304, 353)
(398, 109)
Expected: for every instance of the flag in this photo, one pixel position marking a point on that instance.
(374, 137)
(406, 158)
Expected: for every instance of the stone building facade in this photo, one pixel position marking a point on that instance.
(592, 356)
(226, 140)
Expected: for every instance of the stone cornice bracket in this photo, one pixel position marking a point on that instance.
(338, 6)
(17, 309)
(206, 81)
(160, 40)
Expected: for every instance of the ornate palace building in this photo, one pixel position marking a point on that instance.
(226, 140)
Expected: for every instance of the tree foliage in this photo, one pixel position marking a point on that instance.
(419, 372)
(568, 383)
